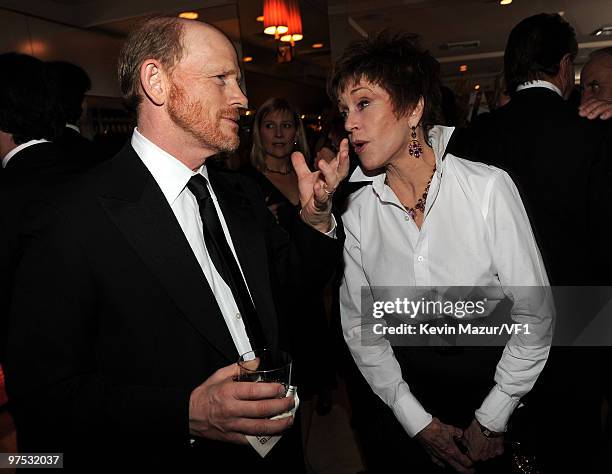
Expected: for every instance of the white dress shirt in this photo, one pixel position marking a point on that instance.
(539, 83)
(172, 176)
(475, 233)
(18, 148)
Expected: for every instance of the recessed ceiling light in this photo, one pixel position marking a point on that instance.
(505, 2)
(317, 45)
(247, 59)
(477, 87)
(260, 18)
(463, 68)
(189, 15)
(302, 116)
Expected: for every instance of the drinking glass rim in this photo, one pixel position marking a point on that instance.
(265, 349)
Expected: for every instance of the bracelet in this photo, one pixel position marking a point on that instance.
(488, 433)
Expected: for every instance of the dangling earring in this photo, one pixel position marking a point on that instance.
(415, 148)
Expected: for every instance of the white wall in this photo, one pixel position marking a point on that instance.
(94, 52)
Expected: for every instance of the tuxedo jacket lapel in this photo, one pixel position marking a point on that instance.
(250, 246)
(137, 206)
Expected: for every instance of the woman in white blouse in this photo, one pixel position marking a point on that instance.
(428, 218)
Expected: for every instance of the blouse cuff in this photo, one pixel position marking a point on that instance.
(332, 232)
(411, 414)
(496, 409)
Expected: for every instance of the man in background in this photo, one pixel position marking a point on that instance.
(561, 164)
(72, 83)
(30, 120)
(596, 85)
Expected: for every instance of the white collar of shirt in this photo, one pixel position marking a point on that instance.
(439, 137)
(539, 83)
(170, 174)
(73, 127)
(18, 148)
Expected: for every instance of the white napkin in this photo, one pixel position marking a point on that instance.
(264, 444)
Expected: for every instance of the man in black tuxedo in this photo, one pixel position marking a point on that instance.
(154, 272)
(561, 165)
(72, 83)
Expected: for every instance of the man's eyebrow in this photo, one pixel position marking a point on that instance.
(214, 71)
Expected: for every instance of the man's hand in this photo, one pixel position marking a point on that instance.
(224, 409)
(316, 188)
(481, 448)
(438, 440)
(594, 108)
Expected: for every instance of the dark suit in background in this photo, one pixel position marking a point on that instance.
(30, 174)
(561, 164)
(79, 149)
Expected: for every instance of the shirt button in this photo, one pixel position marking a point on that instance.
(406, 218)
(420, 258)
(237, 315)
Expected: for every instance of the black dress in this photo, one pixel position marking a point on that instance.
(314, 361)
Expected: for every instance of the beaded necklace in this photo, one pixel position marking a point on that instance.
(420, 204)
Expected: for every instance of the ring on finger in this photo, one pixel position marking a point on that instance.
(329, 193)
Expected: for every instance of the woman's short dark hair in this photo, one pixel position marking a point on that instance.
(397, 64)
(29, 105)
(535, 48)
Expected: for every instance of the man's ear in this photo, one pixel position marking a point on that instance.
(566, 72)
(154, 82)
(566, 63)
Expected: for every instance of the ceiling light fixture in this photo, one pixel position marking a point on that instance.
(294, 23)
(477, 87)
(275, 18)
(260, 18)
(505, 2)
(189, 15)
(603, 31)
(247, 59)
(317, 45)
(463, 68)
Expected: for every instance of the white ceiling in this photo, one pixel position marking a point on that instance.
(439, 22)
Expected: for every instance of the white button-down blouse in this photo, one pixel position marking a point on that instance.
(475, 233)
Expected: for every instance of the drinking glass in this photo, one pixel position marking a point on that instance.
(265, 365)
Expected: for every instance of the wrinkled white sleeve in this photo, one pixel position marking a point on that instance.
(376, 362)
(523, 277)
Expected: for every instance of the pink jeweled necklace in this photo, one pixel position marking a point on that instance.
(420, 204)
